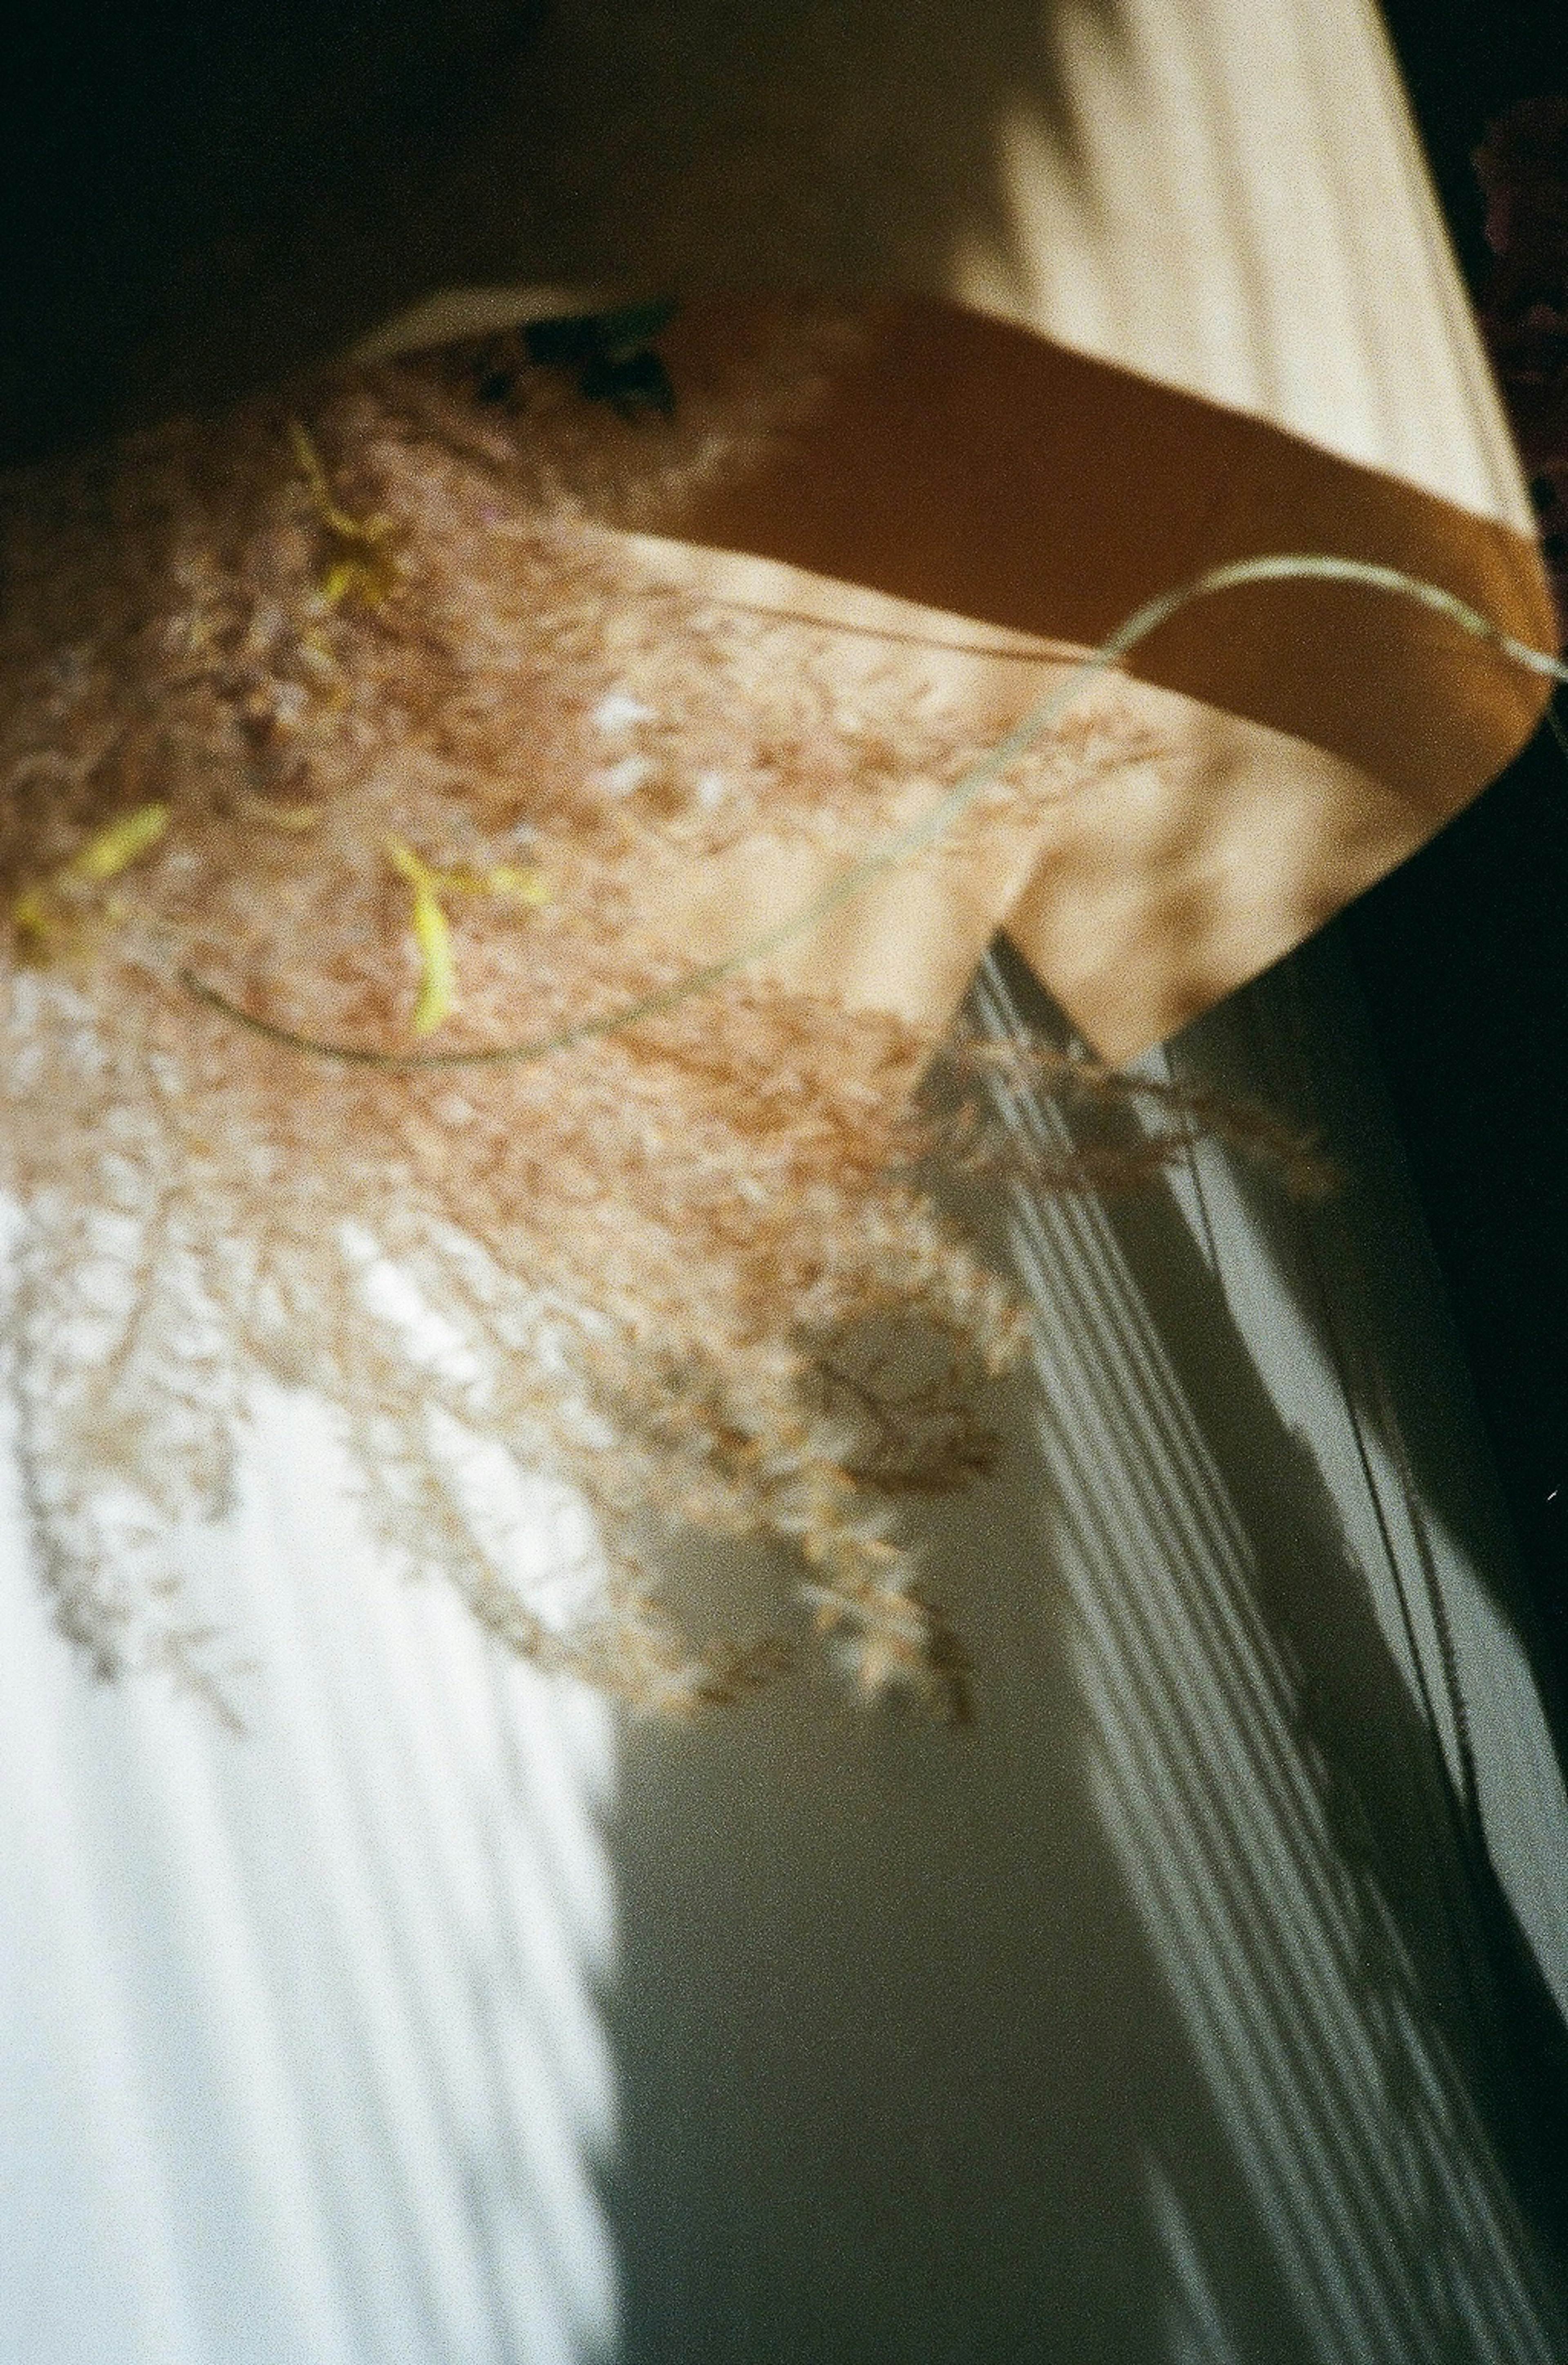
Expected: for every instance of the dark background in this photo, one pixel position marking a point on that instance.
(1463, 953)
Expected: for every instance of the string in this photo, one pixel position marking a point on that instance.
(916, 835)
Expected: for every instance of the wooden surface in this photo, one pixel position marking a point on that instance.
(1181, 2009)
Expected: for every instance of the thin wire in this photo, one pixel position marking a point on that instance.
(922, 833)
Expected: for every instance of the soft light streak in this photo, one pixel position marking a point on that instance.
(311, 2017)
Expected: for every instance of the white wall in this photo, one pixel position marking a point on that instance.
(1171, 2012)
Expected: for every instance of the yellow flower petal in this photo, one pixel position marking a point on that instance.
(123, 843)
(438, 977)
(34, 921)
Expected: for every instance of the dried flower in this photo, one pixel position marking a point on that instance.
(678, 1265)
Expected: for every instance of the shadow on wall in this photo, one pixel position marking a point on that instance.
(206, 200)
(1157, 2016)
(1371, 1239)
